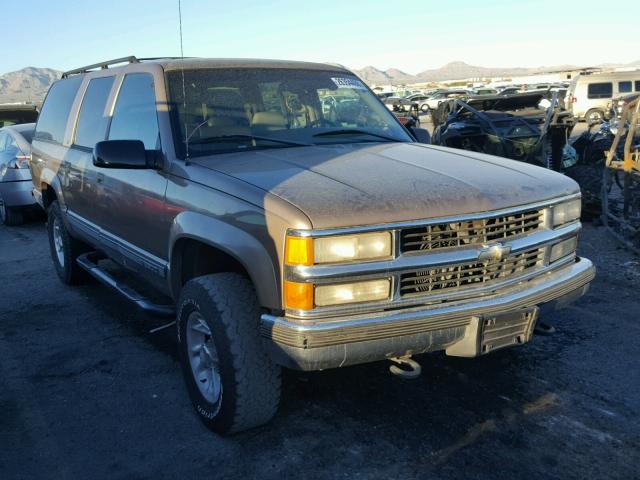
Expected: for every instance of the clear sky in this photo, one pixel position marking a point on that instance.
(411, 36)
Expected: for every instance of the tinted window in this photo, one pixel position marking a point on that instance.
(93, 122)
(600, 90)
(134, 117)
(624, 87)
(637, 86)
(55, 111)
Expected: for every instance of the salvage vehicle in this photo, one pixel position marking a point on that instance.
(589, 94)
(281, 238)
(511, 126)
(400, 104)
(16, 199)
(17, 113)
(593, 147)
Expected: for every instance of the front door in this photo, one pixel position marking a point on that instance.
(135, 223)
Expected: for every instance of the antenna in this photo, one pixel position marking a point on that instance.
(184, 90)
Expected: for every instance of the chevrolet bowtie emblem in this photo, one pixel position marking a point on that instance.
(494, 253)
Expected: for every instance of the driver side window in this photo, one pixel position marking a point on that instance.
(134, 116)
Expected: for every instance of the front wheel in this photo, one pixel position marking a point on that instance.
(232, 382)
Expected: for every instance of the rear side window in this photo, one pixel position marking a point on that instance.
(55, 111)
(637, 89)
(624, 87)
(93, 121)
(134, 117)
(600, 90)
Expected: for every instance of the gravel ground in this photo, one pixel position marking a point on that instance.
(87, 392)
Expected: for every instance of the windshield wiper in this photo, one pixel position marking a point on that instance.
(227, 138)
(354, 131)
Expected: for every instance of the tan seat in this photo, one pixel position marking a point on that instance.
(268, 121)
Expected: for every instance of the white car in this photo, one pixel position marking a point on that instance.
(436, 99)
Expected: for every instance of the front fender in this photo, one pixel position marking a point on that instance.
(237, 243)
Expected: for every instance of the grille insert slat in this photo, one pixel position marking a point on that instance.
(442, 279)
(470, 232)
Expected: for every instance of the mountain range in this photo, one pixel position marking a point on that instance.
(460, 71)
(31, 84)
(27, 85)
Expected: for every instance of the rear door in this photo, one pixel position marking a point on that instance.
(87, 211)
(136, 224)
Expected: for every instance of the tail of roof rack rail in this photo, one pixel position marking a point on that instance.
(117, 61)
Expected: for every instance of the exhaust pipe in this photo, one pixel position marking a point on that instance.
(405, 367)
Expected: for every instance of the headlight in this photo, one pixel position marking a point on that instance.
(349, 248)
(338, 249)
(566, 212)
(357, 292)
(562, 249)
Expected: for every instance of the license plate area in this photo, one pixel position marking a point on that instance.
(487, 333)
(506, 329)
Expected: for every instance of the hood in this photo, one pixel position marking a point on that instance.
(358, 184)
(505, 103)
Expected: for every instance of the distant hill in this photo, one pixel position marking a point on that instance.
(27, 85)
(458, 71)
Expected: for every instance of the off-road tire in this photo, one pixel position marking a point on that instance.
(10, 216)
(70, 273)
(250, 380)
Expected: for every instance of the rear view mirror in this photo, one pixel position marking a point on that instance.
(124, 154)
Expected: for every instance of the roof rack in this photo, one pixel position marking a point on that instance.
(101, 65)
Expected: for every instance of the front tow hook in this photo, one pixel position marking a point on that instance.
(406, 368)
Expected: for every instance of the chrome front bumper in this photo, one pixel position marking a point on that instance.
(341, 341)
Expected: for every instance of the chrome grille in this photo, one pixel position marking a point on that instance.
(442, 279)
(469, 232)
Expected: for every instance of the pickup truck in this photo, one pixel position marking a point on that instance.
(277, 237)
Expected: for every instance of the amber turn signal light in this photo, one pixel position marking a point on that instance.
(299, 251)
(298, 296)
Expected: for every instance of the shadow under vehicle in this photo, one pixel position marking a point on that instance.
(510, 126)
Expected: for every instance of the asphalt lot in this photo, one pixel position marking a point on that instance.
(87, 392)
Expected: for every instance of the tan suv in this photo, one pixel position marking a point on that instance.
(285, 234)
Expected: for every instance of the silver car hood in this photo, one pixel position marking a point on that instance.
(365, 184)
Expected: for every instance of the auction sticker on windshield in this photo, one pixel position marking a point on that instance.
(343, 82)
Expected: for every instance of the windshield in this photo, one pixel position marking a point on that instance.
(238, 109)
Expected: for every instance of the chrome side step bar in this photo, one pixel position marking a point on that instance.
(89, 262)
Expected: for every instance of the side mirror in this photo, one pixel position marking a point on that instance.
(124, 154)
(420, 134)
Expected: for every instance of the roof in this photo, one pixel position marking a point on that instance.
(192, 63)
(172, 63)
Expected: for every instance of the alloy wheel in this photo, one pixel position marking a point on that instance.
(203, 357)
